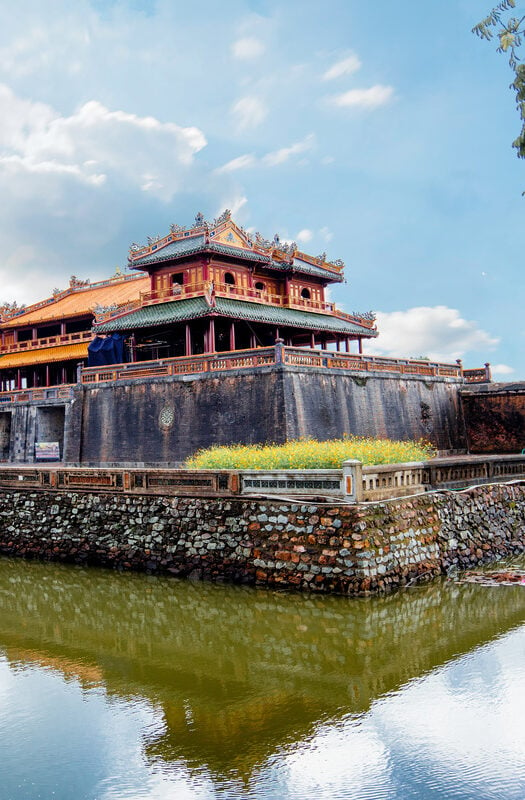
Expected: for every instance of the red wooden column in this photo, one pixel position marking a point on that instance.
(47, 374)
(187, 347)
(360, 345)
(232, 335)
(19, 378)
(312, 341)
(211, 336)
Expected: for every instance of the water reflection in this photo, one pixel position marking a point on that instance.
(243, 692)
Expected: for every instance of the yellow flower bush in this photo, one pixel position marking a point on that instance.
(310, 454)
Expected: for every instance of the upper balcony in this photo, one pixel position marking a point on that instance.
(212, 289)
(50, 341)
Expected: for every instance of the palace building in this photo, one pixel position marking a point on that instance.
(45, 344)
(204, 289)
(216, 288)
(213, 336)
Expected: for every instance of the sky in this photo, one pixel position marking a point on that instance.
(379, 133)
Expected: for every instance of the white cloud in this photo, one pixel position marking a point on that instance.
(249, 112)
(364, 98)
(273, 159)
(438, 332)
(234, 204)
(346, 66)
(241, 162)
(94, 142)
(282, 155)
(501, 369)
(305, 235)
(327, 234)
(247, 48)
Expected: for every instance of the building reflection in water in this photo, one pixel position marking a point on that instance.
(238, 674)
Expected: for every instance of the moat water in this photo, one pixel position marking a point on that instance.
(123, 687)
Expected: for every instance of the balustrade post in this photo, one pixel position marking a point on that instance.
(279, 351)
(353, 480)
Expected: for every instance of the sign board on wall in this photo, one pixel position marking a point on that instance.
(47, 451)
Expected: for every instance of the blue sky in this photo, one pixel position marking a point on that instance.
(377, 132)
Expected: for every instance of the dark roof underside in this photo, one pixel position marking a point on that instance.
(182, 310)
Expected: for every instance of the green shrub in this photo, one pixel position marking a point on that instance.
(310, 454)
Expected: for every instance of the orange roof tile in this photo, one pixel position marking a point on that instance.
(46, 355)
(81, 301)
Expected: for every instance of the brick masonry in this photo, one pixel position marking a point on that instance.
(495, 417)
(331, 548)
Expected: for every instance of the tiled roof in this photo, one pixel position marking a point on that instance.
(197, 244)
(181, 247)
(314, 269)
(46, 355)
(290, 317)
(180, 310)
(79, 302)
(161, 314)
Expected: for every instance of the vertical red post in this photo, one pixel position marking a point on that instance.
(187, 348)
(211, 336)
(232, 335)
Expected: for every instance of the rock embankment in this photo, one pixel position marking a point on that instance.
(334, 548)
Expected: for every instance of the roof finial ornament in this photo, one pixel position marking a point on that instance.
(224, 217)
(276, 240)
(199, 220)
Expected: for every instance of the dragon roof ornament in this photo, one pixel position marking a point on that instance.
(275, 249)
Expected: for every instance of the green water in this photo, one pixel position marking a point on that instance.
(122, 686)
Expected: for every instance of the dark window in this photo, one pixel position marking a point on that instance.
(229, 279)
(259, 285)
(178, 279)
(305, 293)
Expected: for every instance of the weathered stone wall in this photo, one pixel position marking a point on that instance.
(328, 548)
(327, 403)
(495, 417)
(164, 420)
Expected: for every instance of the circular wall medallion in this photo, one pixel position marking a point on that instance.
(166, 417)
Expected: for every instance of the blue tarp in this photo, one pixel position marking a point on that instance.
(107, 350)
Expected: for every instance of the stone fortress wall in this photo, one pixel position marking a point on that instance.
(328, 547)
(164, 420)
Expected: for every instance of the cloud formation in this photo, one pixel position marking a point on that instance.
(272, 159)
(346, 66)
(364, 98)
(438, 333)
(95, 142)
(249, 112)
(247, 48)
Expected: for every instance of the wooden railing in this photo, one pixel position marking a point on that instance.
(185, 365)
(50, 341)
(264, 356)
(480, 375)
(250, 294)
(64, 391)
(336, 360)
